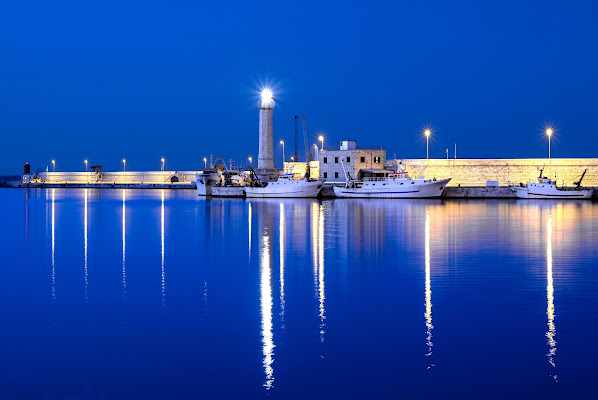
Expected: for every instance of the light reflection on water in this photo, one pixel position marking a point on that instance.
(349, 271)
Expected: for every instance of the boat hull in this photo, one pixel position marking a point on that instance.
(394, 190)
(536, 193)
(291, 189)
(205, 182)
(228, 191)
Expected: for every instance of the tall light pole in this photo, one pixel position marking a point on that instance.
(549, 133)
(53, 166)
(205, 162)
(317, 155)
(124, 165)
(321, 139)
(163, 163)
(250, 160)
(427, 132)
(282, 142)
(85, 166)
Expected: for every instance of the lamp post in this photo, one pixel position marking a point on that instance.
(124, 165)
(292, 159)
(250, 159)
(205, 162)
(549, 133)
(85, 166)
(163, 164)
(321, 139)
(427, 132)
(317, 155)
(53, 166)
(282, 142)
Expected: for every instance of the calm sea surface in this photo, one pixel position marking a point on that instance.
(161, 294)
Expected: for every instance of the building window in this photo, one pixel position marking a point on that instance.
(325, 175)
(348, 159)
(325, 160)
(336, 160)
(336, 175)
(362, 159)
(377, 160)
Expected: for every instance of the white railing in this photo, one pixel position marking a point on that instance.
(375, 179)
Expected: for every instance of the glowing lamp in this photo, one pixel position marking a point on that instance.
(267, 98)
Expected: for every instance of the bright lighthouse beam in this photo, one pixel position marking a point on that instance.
(267, 98)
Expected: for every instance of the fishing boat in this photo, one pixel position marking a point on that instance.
(221, 181)
(285, 186)
(391, 185)
(546, 188)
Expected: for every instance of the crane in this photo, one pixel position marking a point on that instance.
(307, 154)
(296, 137)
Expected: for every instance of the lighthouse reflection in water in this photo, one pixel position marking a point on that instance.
(307, 298)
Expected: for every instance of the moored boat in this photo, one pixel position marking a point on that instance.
(285, 186)
(392, 185)
(546, 188)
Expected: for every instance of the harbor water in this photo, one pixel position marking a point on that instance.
(115, 293)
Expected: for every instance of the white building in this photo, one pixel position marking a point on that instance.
(358, 162)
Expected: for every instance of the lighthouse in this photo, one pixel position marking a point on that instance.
(265, 161)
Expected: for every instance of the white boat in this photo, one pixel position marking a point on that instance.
(221, 181)
(393, 185)
(207, 179)
(546, 189)
(285, 186)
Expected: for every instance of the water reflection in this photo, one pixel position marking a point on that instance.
(281, 246)
(124, 248)
(321, 294)
(85, 247)
(550, 335)
(249, 211)
(53, 247)
(428, 295)
(162, 240)
(266, 298)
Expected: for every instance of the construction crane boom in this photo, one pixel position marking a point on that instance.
(296, 136)
(307, 154)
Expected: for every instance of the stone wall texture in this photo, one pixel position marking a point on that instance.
(117, 177)
(475, 172)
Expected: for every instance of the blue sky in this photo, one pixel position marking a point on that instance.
(109, 80)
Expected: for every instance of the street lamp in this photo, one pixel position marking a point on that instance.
(250, 159)
(321, 139)
(162, 164)
(124, 165)
(317, 155)
(549, 133)
(205, 162)
(292, 159)
(85, 166)
(53, 166)
(282, 142)
(427, 132)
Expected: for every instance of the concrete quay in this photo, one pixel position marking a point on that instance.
(103, 185)
(463, 192)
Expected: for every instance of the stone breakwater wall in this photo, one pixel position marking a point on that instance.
(158, 177)
(475, 172)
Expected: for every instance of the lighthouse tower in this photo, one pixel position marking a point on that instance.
(265, 161)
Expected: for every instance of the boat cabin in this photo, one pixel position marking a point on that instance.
(368, 174)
